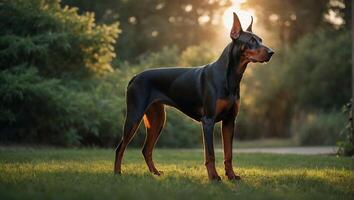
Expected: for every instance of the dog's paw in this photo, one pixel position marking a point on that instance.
(157, 172)
(215, 177)
(232, 176)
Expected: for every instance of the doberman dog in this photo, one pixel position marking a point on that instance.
(208, 94)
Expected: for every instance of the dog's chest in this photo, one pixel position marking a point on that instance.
(226, 105)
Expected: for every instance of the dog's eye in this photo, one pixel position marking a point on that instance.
(253, 41)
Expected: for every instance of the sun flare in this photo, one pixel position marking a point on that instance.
(243, 15)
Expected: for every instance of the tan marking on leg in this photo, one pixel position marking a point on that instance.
(154, 120)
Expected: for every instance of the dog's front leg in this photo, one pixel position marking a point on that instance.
(208, 136)
(227, 138)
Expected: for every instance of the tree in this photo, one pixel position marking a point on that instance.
(292, 19)
(148, 25)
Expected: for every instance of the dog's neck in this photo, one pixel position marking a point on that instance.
(233, 65)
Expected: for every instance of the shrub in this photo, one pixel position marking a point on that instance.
(318, 128)
(167, 57)
(56, 40)
(34, 109)
(314, 74)
(318, 65)
(51, 41)
(198, 55)
(47, 111)
(265, 104)
(180, 131)
(346, 144)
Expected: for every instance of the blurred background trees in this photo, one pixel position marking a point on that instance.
(149, 25)
(62, 83)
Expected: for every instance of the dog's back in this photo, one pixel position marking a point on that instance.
(179, 87)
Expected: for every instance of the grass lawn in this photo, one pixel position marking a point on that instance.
(49, 173)
(273, 142)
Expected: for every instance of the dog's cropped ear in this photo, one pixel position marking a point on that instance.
(250, 26)
(236, 28)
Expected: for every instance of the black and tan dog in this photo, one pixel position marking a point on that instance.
(208, 94)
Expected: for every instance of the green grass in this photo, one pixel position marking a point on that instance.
(272, 142)
(49, 173)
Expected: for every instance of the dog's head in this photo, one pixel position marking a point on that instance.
(251, 46)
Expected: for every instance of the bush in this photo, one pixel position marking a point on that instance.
(40, 40)
(314, 74)
(171, 57)
(167, 57)
(180, 131)
(319, 128)
(34, 109)
(56, 40)
(47, 111)
(198, 55)
(265, 103)
(346, 144)
(318, 65)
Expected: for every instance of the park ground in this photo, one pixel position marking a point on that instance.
(51, 173)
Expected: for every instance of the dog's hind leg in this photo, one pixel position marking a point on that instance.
(135, 110)
(154, 120)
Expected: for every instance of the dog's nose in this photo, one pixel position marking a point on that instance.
(270, 52)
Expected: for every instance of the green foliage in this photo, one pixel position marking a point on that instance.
(346, 145)
(28, 104)
(195, 55)
(179, 131)
(317, 66)
(318, 128)
(313, 75)
(38, 110)
(150, 25)
(198, 55)
(56, 40)
(265, 104)
(167, 57)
